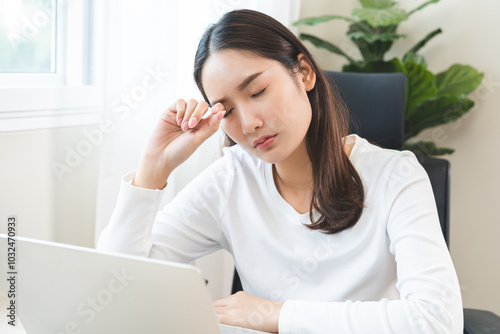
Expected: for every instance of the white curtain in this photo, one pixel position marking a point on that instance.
(148, 57)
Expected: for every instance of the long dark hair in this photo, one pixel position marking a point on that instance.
(338, 194)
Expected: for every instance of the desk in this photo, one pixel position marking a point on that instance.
(238, 330)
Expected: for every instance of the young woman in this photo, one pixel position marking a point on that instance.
(329, 233)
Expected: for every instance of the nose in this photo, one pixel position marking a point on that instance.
(250, 121)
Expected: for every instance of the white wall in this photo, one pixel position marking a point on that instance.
(470, 36)
(47, 207)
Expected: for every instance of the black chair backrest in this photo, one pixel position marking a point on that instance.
(376, 102)
(439, 175)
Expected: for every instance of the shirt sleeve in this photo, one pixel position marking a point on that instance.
(186, 228)
(430, 300)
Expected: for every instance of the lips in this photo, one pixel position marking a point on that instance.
(261, 140)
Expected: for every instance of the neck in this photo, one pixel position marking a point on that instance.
(295, 172)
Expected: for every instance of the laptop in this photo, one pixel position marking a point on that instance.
(62, 288)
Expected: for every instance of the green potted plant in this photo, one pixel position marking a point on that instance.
(431, 99)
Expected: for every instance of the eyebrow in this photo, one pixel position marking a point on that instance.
(240, 87)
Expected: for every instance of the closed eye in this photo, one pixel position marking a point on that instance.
(259, 93)
(253, 96)
(227, 113)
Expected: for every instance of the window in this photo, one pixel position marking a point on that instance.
(28, 45)
(46, 58)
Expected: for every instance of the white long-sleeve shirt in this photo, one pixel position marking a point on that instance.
(390, 273)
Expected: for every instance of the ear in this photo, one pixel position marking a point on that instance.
(307, 72)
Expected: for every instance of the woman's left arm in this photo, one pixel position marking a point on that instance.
(430, 299)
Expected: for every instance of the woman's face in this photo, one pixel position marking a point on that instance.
(272, 104)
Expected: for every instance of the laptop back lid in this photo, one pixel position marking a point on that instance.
(69, 289)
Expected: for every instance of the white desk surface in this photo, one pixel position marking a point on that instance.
(238, 330)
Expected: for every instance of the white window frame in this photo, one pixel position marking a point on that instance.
(40, 101)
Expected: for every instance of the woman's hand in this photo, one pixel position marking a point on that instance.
(178, 133)
(245, 310)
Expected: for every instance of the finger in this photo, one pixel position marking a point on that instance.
(217, 107)
(223, 319)
(191, 105)
(206, 128)
(180, 107)
(169, 115)
(225, 310)
(200, 110)
(214, 120)
(218, 303)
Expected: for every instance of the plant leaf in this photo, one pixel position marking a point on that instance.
(421, 86)
(424, 41)
(380, 17)
(373, 37)
(443, 109)
(377, 3)
(414, 58)
(393, 66)
(322, 44)
(422, 6)
(458, 80)
(426, 148)
(360, 32)
(312, 21)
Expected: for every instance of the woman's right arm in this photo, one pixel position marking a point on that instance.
(172, 141)
(178, 133)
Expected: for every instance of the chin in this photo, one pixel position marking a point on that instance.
(270, 157)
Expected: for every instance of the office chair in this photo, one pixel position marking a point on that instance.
(376, 103)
